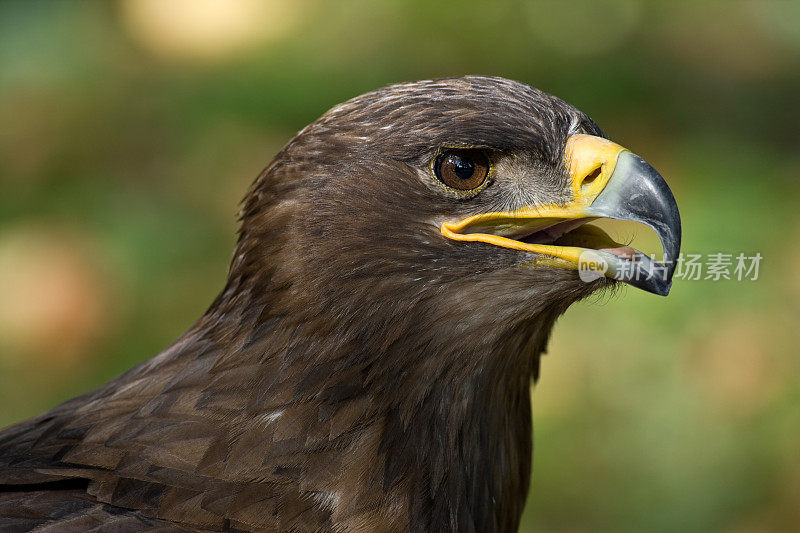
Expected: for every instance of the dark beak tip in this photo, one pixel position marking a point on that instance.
(659, 288)
(637, 192)
(664, 290)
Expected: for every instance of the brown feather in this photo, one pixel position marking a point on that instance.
(358, 372)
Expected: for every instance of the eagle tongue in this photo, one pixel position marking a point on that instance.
(553, 232)
(624, 252)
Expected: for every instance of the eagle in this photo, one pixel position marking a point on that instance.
(367, 366)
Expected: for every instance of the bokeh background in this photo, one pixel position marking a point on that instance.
(130, 130)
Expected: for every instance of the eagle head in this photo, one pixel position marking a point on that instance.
(367, 366)
(419, 242)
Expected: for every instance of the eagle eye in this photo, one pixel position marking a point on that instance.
(463, 169)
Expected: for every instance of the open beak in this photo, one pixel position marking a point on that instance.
(607, 181)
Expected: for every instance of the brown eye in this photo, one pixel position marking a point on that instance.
(462, 169)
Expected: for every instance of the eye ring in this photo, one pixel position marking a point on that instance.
(463, 169)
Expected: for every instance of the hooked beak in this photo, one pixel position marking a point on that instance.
(607, 181)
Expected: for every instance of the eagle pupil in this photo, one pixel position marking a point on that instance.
(464, 168)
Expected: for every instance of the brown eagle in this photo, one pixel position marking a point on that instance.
(399, 267)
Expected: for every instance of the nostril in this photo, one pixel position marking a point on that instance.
(591, 176)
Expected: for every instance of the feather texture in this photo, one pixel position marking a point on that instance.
(358, 372)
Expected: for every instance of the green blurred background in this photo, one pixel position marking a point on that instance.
(130, 130)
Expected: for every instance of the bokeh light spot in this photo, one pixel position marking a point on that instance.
(206, 29)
